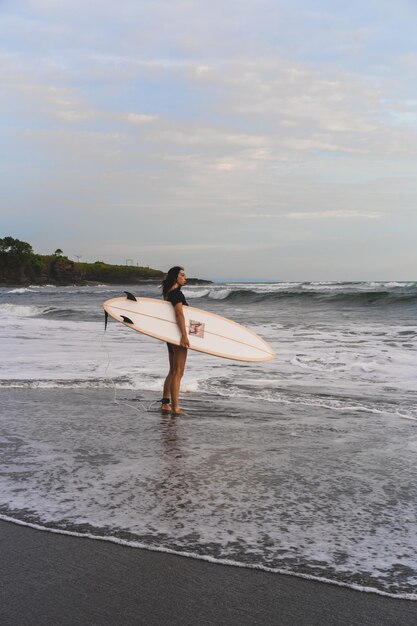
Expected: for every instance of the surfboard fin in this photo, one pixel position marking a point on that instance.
(127, 320)
(130, 296)
(106, 317)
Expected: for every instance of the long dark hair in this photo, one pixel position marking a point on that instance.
(170, 279)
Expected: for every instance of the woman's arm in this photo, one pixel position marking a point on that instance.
(179, 314)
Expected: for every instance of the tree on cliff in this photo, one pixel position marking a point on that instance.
(14, 249)
(18, 263)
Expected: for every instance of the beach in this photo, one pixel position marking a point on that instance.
(57, 579)
(285, 495)
(208, 306)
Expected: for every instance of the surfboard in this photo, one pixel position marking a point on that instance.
(207, 332)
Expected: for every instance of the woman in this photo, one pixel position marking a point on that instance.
(171, 289)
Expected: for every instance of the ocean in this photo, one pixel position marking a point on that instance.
(303, 465)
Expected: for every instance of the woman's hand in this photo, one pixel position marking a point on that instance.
(184, 343)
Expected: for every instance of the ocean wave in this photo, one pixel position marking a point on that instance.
(220, 294)
(48, 286)
(53, 313)
(316, 293)
(79, 315)
(223, 388)
(22, 290)
(29, 289)
(195, 294)
(212, 294)
(22, 518)
(123, 382)
(20, 310)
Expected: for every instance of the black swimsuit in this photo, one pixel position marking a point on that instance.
(176, 297)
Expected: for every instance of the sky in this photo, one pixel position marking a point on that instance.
(262, 139)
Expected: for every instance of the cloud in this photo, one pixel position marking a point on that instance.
(137, 118)
(337, 214)
(315, 215)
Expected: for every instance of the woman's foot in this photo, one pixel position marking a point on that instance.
(177, 410)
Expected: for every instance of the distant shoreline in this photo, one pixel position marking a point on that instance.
(20, 266)
(96, 283)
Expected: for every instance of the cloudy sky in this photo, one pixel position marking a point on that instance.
(264, 139)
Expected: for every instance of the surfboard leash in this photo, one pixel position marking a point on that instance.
(111, 379)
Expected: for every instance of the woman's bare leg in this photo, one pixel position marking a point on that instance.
(168, 379)
(180, 357)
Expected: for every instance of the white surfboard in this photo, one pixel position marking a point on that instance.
(207, 332)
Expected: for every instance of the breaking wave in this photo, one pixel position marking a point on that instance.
(371, 294)
(49, 312)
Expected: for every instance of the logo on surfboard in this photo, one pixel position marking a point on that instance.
(196, 329)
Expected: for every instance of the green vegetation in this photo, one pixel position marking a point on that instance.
(18, 262)
(117, 274)
(19, 265)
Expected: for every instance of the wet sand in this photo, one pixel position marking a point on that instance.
(48, 578)
(57, 579)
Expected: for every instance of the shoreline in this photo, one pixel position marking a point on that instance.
(135, 545)
(56, 578)
(97, 283)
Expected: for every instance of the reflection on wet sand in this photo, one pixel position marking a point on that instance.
(174, 486)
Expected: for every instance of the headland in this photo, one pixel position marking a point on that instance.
(21, 266)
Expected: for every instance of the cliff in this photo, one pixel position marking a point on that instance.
(19, 265)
